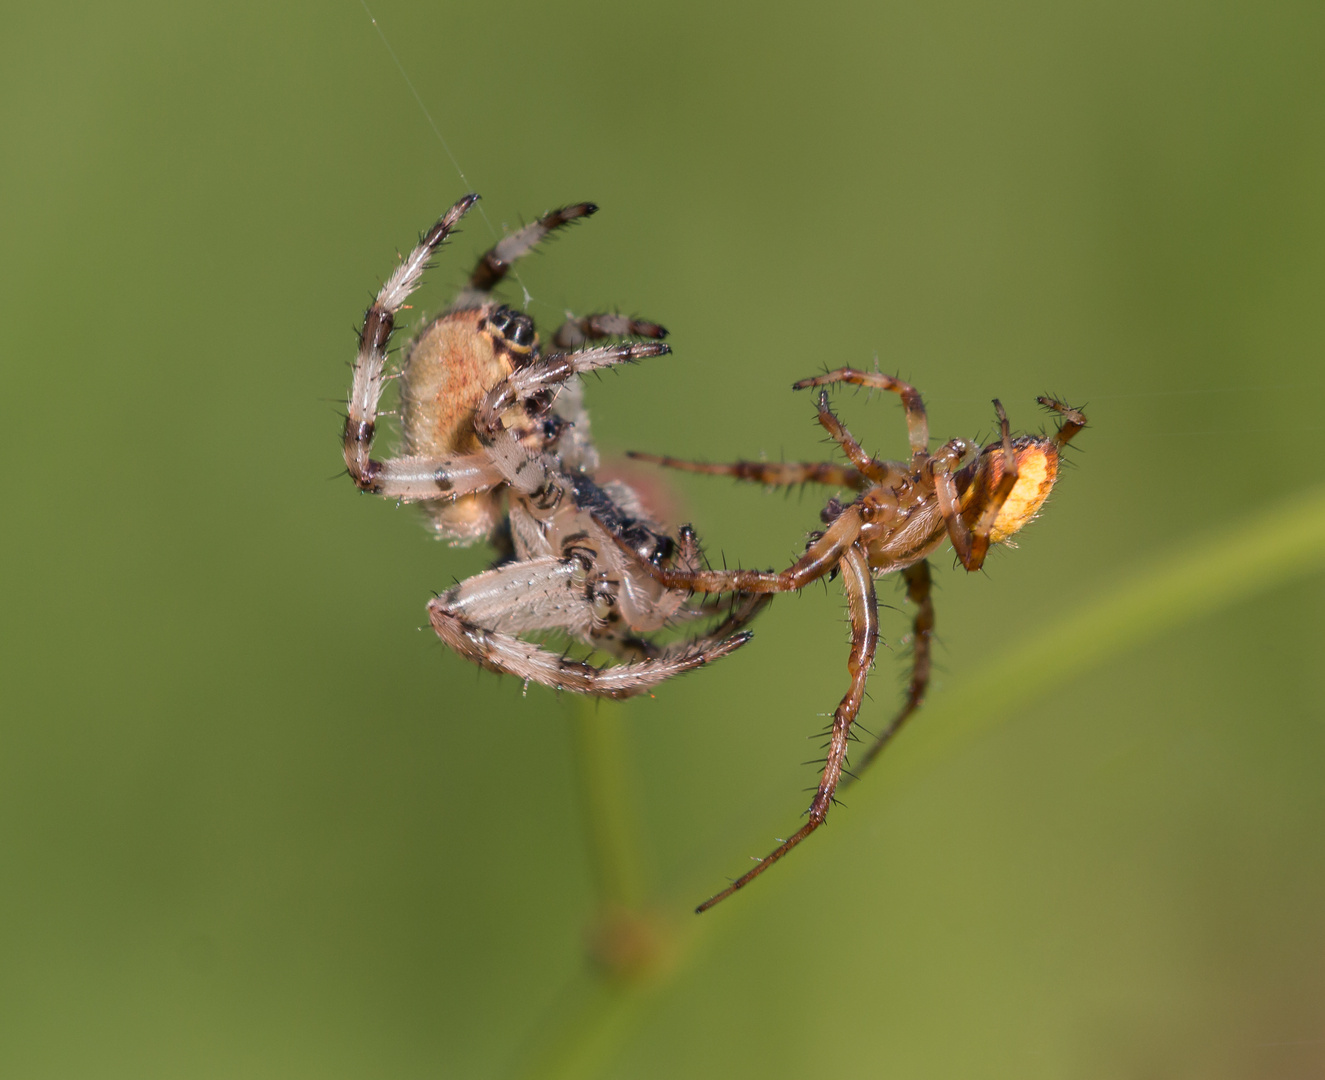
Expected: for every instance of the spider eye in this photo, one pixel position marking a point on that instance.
(516, 329)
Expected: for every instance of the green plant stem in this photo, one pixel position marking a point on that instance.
(600, 753)
(593, 1021)
(597, 1013)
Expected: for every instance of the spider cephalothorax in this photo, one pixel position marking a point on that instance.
(902, 512)
(496, 445)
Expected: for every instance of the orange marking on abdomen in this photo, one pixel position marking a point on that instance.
(1037, 470)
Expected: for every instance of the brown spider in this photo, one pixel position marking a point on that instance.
(487, 454)
(904, 510)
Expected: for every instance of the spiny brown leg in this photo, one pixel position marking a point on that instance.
(773, 474)
(972, 544)
(740, 614)
(1073, 420)
(574, 333)
(838, 431)
(918, 588)
(638, 648)
(378, 322)
(917, 423)
(820, 558)
(941, 467)
(495, 263)
(1006, 482)
(858, 583)
(881, 472)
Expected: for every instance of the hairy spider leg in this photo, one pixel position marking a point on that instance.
(495, 263)
(640, 648)
(480, 618)
(574, 333)
(576, 445)
(539, 474)
(867, 470)
(820, 559)
(971, 543)
(769, 473)
(1073, 420)
(412, 478)
(401, 479)
(917, 423)
(858, 583)
(877, 471)
(885, 473)
(919, 586)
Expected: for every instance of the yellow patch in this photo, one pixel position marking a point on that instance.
(1036, 473)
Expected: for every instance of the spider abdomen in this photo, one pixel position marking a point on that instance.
(1037, 472)
(451, 366)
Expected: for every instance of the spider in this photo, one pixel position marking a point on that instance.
(486, 454)
(902, 512)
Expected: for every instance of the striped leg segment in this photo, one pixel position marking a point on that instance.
(495, 263)
(369, 365)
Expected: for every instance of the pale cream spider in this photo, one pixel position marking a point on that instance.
(495, 444)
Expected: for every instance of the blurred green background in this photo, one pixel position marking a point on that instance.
(256, 823)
